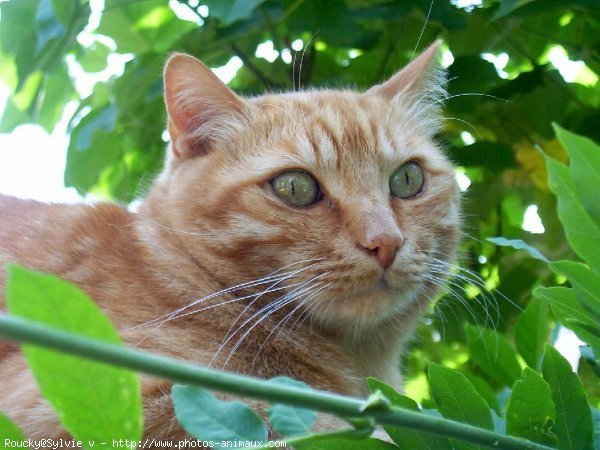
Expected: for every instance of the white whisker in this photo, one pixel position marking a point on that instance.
(272, 277)
(269, 309)
(282, 323)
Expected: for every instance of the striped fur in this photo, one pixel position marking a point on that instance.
(212, 221)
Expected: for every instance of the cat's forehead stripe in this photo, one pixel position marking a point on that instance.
(345, 132)
(385, 145)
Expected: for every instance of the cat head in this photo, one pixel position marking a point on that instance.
(346, 191)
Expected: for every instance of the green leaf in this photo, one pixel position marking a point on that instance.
(64, 11)
(518, 244)
(58, 89)
(409, 439)
(584, 164)
(484, 389)
(15, 16)
(207, 418)
(532, 331)
(48, 27)
(573, 425)
(376, 401)
(9, 432)
(54, 39)
(586, 283)
(582, 232)
(499, 423)
(457, 399)
(94, 58)
(229, 11)
(567, 308)
(94, 401)
(590, 358)
(18, 36)
(12, 116)
(347, 444)
(290, 420)
(142, 27)
(564, 303)
(530, 412)
(20, 106)
(596, 419)
(493, 354)
(94, 145)
(508, 6)
(390, 393)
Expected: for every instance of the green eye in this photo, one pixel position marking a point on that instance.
(296, 187)
(407, 181)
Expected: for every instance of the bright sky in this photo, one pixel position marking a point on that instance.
(32, 161)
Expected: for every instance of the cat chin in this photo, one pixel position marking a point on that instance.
(368, 308)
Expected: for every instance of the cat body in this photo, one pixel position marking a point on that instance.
(326, 211)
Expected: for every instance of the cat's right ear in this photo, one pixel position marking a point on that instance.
(420, 76)
(201, 108)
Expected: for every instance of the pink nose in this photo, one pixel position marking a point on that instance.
(384, 247)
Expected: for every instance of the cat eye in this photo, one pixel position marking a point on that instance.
(297, 188)
(407, 181)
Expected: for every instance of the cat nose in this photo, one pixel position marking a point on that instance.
(384, 247)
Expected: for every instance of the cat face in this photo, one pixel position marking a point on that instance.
(344, 191)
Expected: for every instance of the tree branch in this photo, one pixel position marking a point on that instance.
(269, 84)
(272, 28)
(29, 332)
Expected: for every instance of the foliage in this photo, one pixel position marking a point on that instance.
(213, 420)
(106, 403)
(9, 430)
(490, 331)
(578, 210)
(207, 417)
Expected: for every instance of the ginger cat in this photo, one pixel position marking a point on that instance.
(331, 215)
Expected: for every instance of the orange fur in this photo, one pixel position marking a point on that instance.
(212, 221)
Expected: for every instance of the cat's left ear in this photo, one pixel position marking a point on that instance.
(202, 109)
(420, 75)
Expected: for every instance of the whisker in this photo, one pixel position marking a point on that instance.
(306, 313)
(302, 60)
(310, 297)
(422, 30)
(189, 313)
(282, 323)
(475, 279)
(256, 299)
(273, 276)
(269, 310)
(282, 301)
(294, 88)
(485, 299)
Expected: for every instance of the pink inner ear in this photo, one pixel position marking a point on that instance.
(410, 77)
(198, 104)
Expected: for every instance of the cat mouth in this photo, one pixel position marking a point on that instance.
(382, 286)
(382, 299)
(385, 286)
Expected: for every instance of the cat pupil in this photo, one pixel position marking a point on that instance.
(407, 181)
(296, 187)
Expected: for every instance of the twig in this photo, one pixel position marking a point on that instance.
(251, 67)
(29, 332)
